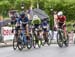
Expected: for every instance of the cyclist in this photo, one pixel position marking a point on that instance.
(14, 27)
(61, 19)
(36, 21)
(45, 27)
(13, 20)
(22, 23)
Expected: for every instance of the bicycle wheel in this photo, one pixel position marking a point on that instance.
(74, 36)
(39, 43)
(34, 42)
(43, 42)
(29, 43)
(20, 44)
(74, 40)
(14, 44)
(67, 41)
(59, 39)
(44, 39)
(49, 42)
(49, 39)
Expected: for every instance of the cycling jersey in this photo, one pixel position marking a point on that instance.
(23, 22)
(45, 26)
(36, 21)
(61, 18)
(61, 21)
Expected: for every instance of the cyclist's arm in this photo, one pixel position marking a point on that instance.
(64, 20)
(18, 22)
(32, 22)
(27, 20)
(39, 21)
(57, 20)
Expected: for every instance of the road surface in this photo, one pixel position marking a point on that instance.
(46, 51)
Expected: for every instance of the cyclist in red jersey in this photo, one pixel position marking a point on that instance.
(61, 19)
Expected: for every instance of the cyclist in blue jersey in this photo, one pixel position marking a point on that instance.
(23, 21)
(45, 26)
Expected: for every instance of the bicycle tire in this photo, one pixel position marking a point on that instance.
(59, 39)
(67, 41)
(20, 44)
(14, 46)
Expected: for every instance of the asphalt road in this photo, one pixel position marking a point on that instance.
(46, 51)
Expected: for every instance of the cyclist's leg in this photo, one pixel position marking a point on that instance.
(60, 25)
(36, 35)
(23, 35)
(44, 34)
(38, 30)
(17, 32)
(27, 30)
(65, 31)
(46, 31)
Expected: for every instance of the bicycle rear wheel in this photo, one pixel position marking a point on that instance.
(20, 44)
(29, 43)
(14, 44)
(59, 39)
(67, 41)
(39, 43)
(49, 39)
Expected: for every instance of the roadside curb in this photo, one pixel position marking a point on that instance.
(7, 44)
(2, 45)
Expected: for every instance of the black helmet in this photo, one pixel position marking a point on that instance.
(22, 14)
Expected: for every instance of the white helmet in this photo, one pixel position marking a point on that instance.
(35, 17)
(60, 13)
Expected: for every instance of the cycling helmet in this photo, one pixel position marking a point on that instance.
(22, 14)
(60, 13)
(35, 17)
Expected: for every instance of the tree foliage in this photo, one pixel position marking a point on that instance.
(67, 6)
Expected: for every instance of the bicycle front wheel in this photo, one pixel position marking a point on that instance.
(14, 43)
(59, 39)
